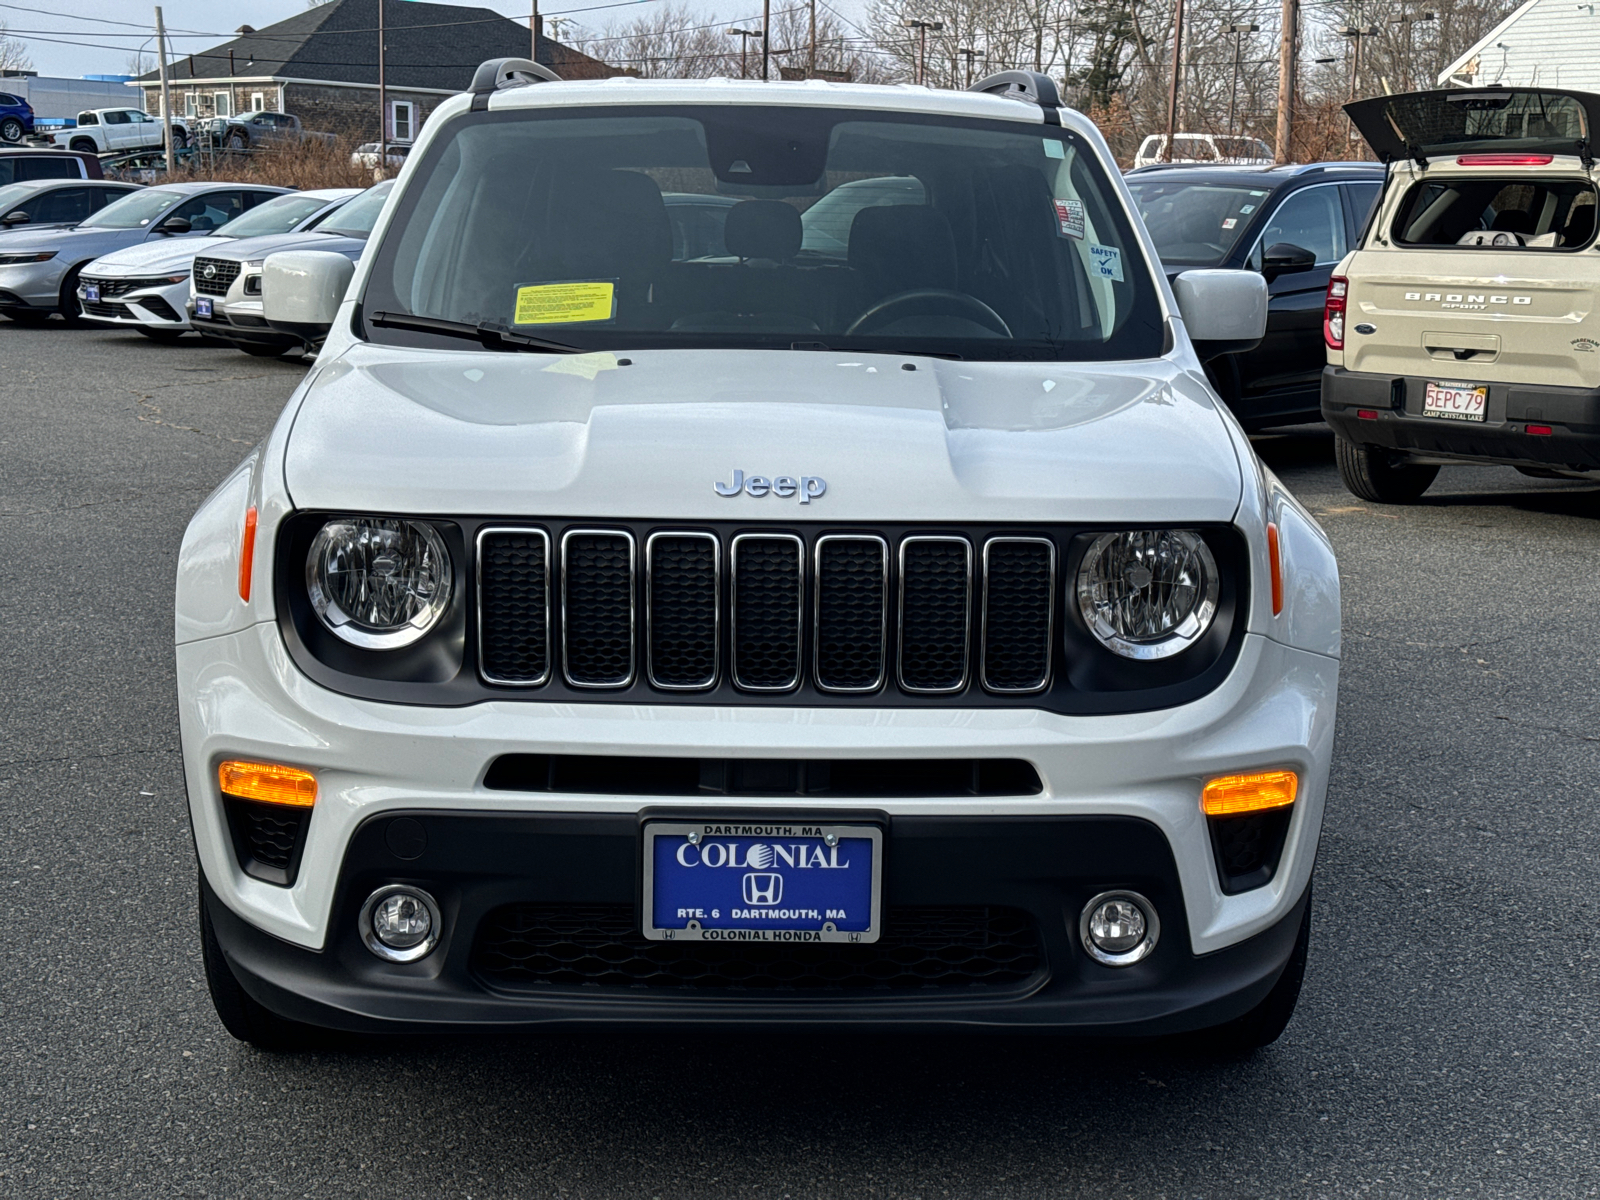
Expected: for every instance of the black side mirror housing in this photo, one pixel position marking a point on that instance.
(1284, 258)
(15, 218)
(175, 225)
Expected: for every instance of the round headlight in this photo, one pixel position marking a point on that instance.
(377, 582)
(1148, 593)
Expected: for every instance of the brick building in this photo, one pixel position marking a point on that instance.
(322, 65)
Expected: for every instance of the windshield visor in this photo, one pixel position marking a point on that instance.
(1194, 224)
(768, 227)
(133, 211)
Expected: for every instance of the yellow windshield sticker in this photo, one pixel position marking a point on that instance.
(565, 303)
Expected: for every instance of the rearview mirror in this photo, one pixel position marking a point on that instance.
(16, 218)
(1224, 312)
(301, 291)
(1281, 258)
(174, 225)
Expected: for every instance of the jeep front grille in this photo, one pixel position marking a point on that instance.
(847, 612)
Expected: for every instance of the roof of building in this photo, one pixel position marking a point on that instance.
(425, 46)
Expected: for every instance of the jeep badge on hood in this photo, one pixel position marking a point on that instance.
(808, 487)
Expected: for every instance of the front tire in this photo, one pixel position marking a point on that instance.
(241, 1015)
(11, 129)
(71, 307)
(84, 145)
(237, 143)
(1374, 473)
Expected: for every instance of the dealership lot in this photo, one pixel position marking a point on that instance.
(1444, 1044)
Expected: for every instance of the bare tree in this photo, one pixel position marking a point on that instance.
(13, 53)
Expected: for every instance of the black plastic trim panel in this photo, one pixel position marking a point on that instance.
(442, 669)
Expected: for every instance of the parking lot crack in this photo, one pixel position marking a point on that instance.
(155, 415)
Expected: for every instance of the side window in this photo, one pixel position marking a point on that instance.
(116, 117)
(100, 197)
(88, 118)
(1362, 197)
(211, 210)
(66, 205)
(47, 168)
(251, 199)
(1310, 219)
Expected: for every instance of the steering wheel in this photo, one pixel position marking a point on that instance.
(928, 302)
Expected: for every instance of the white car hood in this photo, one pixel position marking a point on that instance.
(161, 255)
(385, 429)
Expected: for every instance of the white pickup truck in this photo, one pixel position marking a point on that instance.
(107, 130)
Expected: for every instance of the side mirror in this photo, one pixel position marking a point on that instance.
(1224, 312)
(301, 291)
(174, 225)
(1283, 258)
(16, 218)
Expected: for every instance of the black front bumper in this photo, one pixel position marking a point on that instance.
(225, 330)
(1395, 403)
(1042, 870)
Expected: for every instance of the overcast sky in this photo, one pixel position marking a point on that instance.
(108, 24)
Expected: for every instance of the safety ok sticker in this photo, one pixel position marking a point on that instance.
(1069, 218)
(565, 303)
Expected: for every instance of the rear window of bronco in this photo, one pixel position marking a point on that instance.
(1496, 212)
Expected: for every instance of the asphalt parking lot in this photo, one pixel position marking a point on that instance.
(1445, 1045)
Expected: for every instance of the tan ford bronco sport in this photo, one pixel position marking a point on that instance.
(1463, 328)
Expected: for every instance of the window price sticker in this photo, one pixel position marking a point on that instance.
(565, 303)
(1069, 219)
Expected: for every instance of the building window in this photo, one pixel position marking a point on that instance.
(258, 101)
(189, 106)
(402, 120)
(224, 103)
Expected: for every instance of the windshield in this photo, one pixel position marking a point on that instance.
(357, 218)
(132, 211)
(282, 215)
(889, 232)
(1194, 224)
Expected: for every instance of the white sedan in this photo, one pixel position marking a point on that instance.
(892, 633)
(146, 287)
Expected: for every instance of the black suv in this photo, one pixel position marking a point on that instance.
(1293, 224)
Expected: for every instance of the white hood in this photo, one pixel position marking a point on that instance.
(160, 256)
(384, 429)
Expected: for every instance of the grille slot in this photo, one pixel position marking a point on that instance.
(597, 607)
(925, 950)
(852, 581)
(268, 839)
(121, 287)
(935, 613)
(1019, 585)
(682, 581)
(514, 606)
(768, 597)
(214, 276)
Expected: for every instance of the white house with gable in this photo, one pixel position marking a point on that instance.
(1543, 43)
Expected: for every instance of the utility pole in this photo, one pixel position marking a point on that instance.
(969, 53)
(1239, 29)
(744, 36)
(1407, 22)
(1286, 72)
(383, 100)
(766, 36)
(1172, 94)
(533, 30)
(811, 56)
(922, 28)
(166, 95)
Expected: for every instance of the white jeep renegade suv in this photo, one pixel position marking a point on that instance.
(892, 629)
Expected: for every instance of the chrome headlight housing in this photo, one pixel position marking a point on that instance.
(1148, 593)
(378, 582)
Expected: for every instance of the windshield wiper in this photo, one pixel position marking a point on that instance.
(491, 336)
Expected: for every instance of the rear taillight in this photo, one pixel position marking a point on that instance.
(1505, 160)
(1333, 312)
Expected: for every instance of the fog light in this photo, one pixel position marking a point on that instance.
(400, 923)
(1119, 928)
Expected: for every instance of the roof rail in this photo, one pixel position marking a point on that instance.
(500, 73)
(1030, 87)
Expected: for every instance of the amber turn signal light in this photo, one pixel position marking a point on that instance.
(1232, 795)
(268, 783)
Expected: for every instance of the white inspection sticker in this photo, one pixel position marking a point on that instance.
(1107, 261)
(1069, 219)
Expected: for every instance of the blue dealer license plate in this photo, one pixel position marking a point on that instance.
(748, 881)
(91, 293)
(202, 307)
